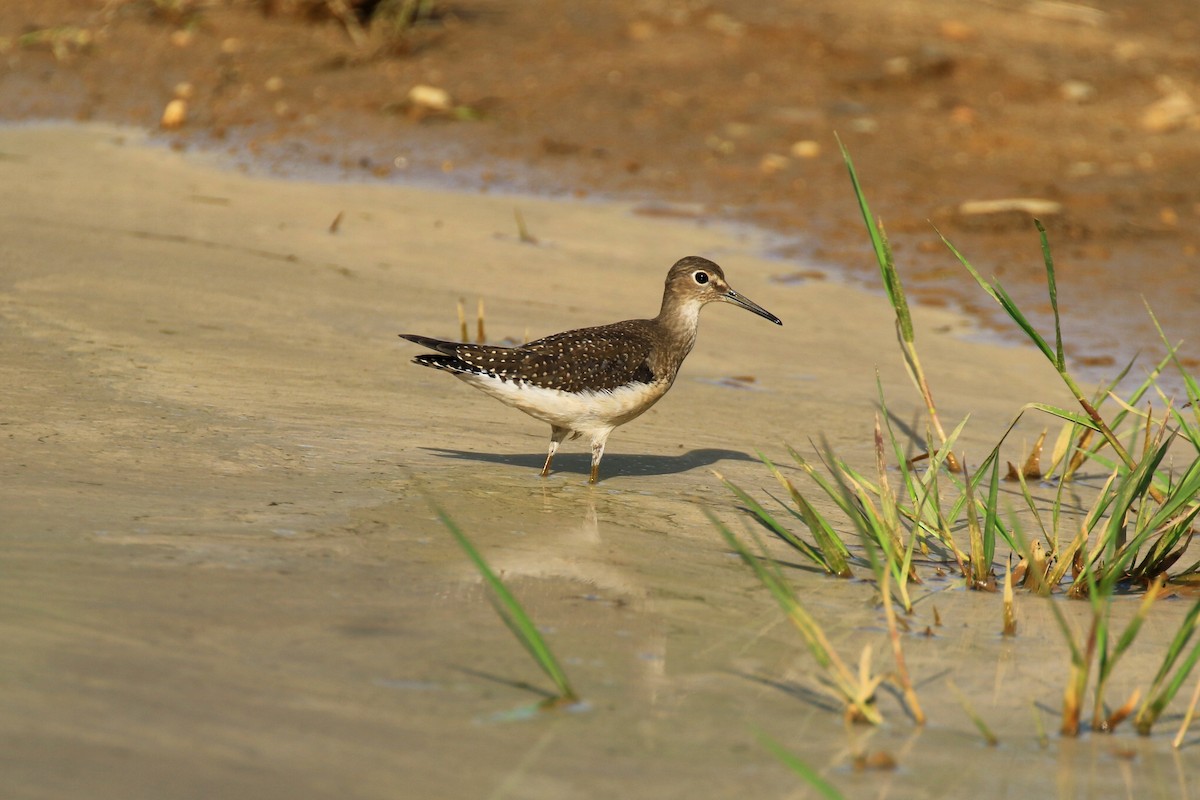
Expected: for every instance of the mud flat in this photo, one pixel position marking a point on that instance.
(222, 575)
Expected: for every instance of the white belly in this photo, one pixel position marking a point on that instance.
(584, 413)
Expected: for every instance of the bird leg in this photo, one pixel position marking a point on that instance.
(557, 434)
(597, 454)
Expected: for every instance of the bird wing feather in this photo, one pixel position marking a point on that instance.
(602, 358)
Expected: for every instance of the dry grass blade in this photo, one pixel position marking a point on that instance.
(523, 233)
(1187, 718)
(1032, 468)
(906, 684)
(1010, 609)
(1121, 714)
(899, 554)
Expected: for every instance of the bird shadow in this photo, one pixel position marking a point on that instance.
(614, 463)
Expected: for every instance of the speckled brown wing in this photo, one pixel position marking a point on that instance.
(596, 359)
(602, 358)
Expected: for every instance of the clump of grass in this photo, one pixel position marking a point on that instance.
(515, 618)
(1137, 527)
(1128, 534)
(1096, 652)
(1161, 510)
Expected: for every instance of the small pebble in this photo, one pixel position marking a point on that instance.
(1074, 91)
(1030, 205)
(430, 97)
(1168, 114)
(956, 31)
(641, 30)
(806, 148)
(963, 115)
(772, 163)
(174, 115)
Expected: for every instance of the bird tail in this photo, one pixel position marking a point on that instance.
(447, 363)
(440, 345)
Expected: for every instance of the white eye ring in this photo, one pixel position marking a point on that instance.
(700, 276)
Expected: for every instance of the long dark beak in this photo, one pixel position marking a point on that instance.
(733, 297)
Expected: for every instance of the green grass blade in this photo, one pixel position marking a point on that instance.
(997, 293)
(512, 613)
(834, 494)
(1060, 362)
(1190, 385)
(1018, 316)
(883, 254)
(1109, 658)
(823, 787)
(829, 543)
(1159, 696)
(1132, 489)
(1183, 494)
(991, 520)
(1062, 413)
(769, 520)
(1135, 624)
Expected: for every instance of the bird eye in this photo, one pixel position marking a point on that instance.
(701, 277)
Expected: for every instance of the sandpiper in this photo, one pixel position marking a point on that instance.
(589, 381)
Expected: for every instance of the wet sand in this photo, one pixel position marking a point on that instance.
(222, 574)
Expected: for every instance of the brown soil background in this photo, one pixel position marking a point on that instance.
(702, 103)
